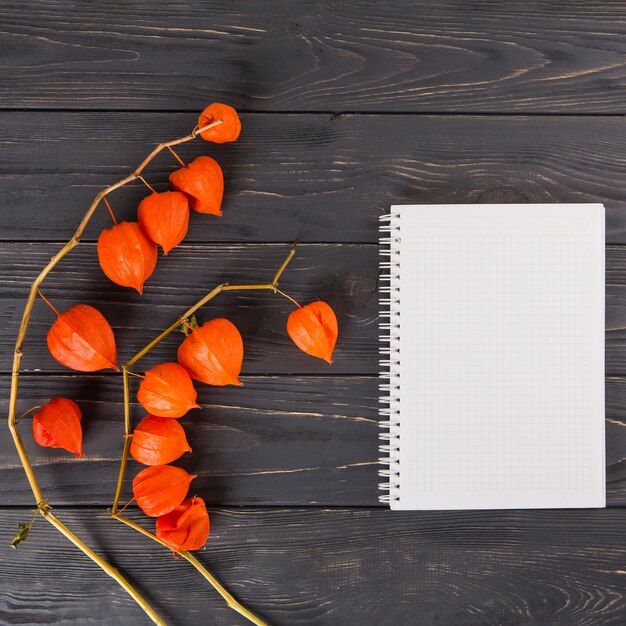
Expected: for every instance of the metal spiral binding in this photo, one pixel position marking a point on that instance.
(389, 350)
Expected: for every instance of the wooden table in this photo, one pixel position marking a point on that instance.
(347, 108)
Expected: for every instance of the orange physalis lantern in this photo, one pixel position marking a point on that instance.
(164, 217)
(57, 425)
(186, 527)
(82, 339)
(313, 329)
(126, 255)
(202, 180)
(213, 353)
(158, 440)
(167, 391)
(159, 489)
(227, 131)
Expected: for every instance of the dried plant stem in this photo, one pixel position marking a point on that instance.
(17, 359)
(180, 321)
(127, 439)
(177, 157)
(230, 600)
(109, 569)
(282, 293)
(282, 268)
(110, 211)
(147, 184)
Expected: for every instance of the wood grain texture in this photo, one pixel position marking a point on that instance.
(336, 566)
(276, 440)
(285, 440)
(356, 55)
(346, 275)
(346, 278)
(308, 177)
(327, 145)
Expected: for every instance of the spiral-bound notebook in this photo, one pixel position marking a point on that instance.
(493, 356)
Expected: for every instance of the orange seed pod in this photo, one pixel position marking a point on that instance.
(158, 441)
(213, 353)
(57, 425)
(126, 255)
(159, 489)
(313, 329)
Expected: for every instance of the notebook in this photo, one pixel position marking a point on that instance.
(492, 356)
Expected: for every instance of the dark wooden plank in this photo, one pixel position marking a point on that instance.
(276, 441)
(354, 566)
(308, 177)
(353, 55)
(345, 276)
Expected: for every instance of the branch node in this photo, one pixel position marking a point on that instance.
(44, 508)
(281, 269)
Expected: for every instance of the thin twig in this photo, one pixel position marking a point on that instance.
(109, 569)
(282, 293)
(17, 360)
(135, 374)
(176, 156)
(145, 182)
(230, 599)
(128, 437)
(110, 211)
(48, 302)
(281, 269)
(181, 320)
(17, 357)
(23, 415)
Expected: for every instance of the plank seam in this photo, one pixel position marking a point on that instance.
(425, 113)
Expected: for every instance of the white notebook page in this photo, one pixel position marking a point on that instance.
(501, 356)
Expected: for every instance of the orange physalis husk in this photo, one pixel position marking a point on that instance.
(82, 340)
(186, 527)
(213, 353)
(159, 489)
(202, 180)
(57, 425)
(227, 131)
(164, 217)
(167, 391)
(126, 255)
(313, 329)
(158, 441)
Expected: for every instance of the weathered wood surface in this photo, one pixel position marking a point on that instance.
(276, 440)
(285, 440)
(332, 566)
(346, 275)
(308, 177)
(347, 108)
(447, 55)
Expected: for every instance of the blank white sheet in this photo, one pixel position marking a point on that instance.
(501, 356)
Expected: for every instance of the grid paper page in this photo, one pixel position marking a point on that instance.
(501, 356)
